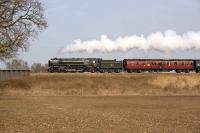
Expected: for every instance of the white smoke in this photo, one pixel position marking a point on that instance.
(169, 41)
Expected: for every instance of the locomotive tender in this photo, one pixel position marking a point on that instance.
(127, 65)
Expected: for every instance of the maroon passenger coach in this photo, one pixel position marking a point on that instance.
(156, 65)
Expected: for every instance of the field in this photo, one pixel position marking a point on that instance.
(114, 114)
(98, 103)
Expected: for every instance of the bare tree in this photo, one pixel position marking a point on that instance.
(19, 21)
(17, 64)
(38, 68)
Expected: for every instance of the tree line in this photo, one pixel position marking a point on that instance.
(18, 64)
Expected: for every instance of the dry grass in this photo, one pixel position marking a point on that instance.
(103, 84)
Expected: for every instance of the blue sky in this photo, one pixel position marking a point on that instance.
(89, 19)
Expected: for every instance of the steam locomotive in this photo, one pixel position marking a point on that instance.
(95, 65)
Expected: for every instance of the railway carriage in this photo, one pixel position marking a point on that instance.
(160, 65)
(141, 65)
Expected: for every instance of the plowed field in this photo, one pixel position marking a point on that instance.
(94, 114)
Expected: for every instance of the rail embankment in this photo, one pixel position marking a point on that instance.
(86, 84)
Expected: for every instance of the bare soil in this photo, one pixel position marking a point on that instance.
(94, 114)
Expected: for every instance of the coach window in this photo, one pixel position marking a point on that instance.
(167, 63)
(175, 63)
(163, 63)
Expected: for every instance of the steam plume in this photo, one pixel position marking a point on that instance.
(169, 41)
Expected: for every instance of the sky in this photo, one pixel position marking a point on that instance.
(69, 20)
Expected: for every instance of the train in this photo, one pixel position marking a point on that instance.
(99, 65)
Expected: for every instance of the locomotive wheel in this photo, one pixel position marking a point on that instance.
(102, 71)
(109, 70)
(117, 71)
(92, 71)
(51, 70)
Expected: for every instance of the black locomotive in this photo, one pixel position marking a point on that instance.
(84, 65)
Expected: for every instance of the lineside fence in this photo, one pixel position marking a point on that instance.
(10, 74)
